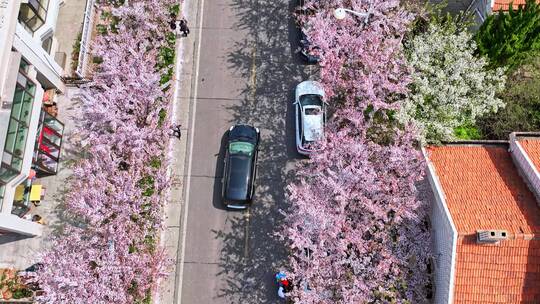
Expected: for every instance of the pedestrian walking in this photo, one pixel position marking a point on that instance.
(177, 130)
(182, 27)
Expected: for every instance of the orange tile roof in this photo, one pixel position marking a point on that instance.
(504, 273)
(532, 148)
(505, 4)
(483, 190)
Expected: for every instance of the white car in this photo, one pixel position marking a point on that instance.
(310, 115)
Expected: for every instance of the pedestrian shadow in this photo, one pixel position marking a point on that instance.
(251, 252)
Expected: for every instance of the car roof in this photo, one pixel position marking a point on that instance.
(312, 124)
(238, 176)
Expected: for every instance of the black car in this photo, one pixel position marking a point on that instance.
(240, 168)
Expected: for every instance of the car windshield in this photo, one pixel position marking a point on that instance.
(241, 148)
(310, 100)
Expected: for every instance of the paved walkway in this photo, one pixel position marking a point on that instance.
(70, 20)
(185, 54)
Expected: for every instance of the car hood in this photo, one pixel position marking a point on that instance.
(309, 87)
(243, 132)
(313, 125)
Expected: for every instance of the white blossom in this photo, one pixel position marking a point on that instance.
(450, 86)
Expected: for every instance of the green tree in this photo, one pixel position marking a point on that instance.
(508, 38)
(522, 98)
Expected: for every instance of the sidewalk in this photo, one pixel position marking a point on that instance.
(184, 84)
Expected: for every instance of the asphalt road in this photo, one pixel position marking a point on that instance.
(247, 74)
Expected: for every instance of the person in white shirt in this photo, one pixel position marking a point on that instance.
(281, 292)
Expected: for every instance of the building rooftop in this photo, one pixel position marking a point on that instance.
(483, 190)
(531, 145)
(504, 4)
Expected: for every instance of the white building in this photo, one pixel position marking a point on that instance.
(29, 137)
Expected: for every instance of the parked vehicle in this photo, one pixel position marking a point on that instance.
(310, 116)
(238, 182)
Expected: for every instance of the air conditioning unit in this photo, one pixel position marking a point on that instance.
(491, 236)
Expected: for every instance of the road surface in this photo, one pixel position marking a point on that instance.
(248, 69)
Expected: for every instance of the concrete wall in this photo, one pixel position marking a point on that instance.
(9, 11)
(13, 223)
(454, 6)
(32, 51)
(444, 236)
(526, 167)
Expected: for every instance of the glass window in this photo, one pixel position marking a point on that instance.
(2, 190)
(24, 66)
(17, 133)
(47, 44)
(11, 135)
(6, 174)
(241, 147)
(33, 14)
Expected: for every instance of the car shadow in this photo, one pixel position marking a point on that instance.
(220, 159)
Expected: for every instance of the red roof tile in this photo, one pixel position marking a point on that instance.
(532, 148)
(483, 190)
(505, 4)
(505, 273)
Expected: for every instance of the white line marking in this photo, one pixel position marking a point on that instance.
(191, 136)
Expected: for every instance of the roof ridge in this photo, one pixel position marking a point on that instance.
(511, 235)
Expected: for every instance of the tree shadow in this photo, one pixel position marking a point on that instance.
(251, 252)
(216, 198)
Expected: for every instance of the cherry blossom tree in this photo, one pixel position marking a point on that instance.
(110, 253)
(356, 229)
(361, 64)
